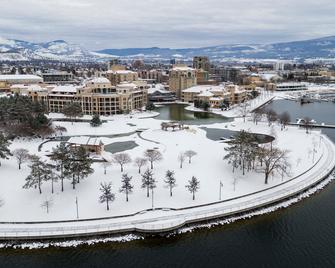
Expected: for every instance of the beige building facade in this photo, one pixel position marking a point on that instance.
(180, 78)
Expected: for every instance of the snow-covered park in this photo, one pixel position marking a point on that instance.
(208, 166)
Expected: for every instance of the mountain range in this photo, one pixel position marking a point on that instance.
(59, 50)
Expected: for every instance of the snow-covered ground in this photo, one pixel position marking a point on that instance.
(208, 166)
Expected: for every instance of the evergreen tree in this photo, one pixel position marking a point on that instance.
(106, 194)
(126, 186)
(61, 155)
(96, 121)
(150, 106)
(79, 166)
(148, 181)
(170, 180)
(193, 186)
(73, 110)
(37, 174)
(4, 150)
(50, 175)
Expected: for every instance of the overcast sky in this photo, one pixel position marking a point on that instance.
(98, 24)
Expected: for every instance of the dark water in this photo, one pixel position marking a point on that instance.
(302, 235)
(177, 112)
(118, 147)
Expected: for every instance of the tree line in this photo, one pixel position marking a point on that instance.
(21, 116)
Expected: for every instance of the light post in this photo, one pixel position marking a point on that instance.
(152, 198)
(77, 210)
(220, 194)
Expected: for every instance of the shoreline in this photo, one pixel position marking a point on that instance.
(162, 223)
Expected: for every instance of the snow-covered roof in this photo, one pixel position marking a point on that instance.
(126, 85)
(18, 77)
(199, 89)
(206, 94)
(269, 76)
(65, 89)
(99, 80)
(121, 72)
(157, 88)
(182, 68)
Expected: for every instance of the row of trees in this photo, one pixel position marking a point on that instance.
(245, 153)
(148, 182)
(149, 156)
(68, 163)
(283, 119)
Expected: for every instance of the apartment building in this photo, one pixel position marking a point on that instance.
(215, 95)
(118, 74)
(96, 96)
(181, 77)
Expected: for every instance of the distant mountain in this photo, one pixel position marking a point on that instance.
(315, 48)
(58, 50)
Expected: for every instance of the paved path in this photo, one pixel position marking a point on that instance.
(166, 219)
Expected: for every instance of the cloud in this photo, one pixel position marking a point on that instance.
(175, 23)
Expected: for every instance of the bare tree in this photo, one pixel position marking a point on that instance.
(106, 194)
(284, 119)
(106, 165)
(153, 156)
(244, 109)
(21, 156)
(140, 162)
(47, 204)
(190, 154)
(307, 123)
(181, 159)
(271, 116)
(193, 186)
(274, 160)
(122, 159)
(257, 115)
(126, 186)
(170, 180)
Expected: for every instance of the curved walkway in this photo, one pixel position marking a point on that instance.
(166, 219)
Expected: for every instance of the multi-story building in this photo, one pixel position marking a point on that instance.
(6, 80)
(119, 76)
(97, 96)
(215, 95)
(57, 78)
(181, 77)
(201, 62)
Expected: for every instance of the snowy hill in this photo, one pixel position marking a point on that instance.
(315, 48)
(59, 50)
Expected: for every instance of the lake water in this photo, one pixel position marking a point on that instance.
(302, 235)
(177, 112)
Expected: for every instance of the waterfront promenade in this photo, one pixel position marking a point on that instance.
(167, 219)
